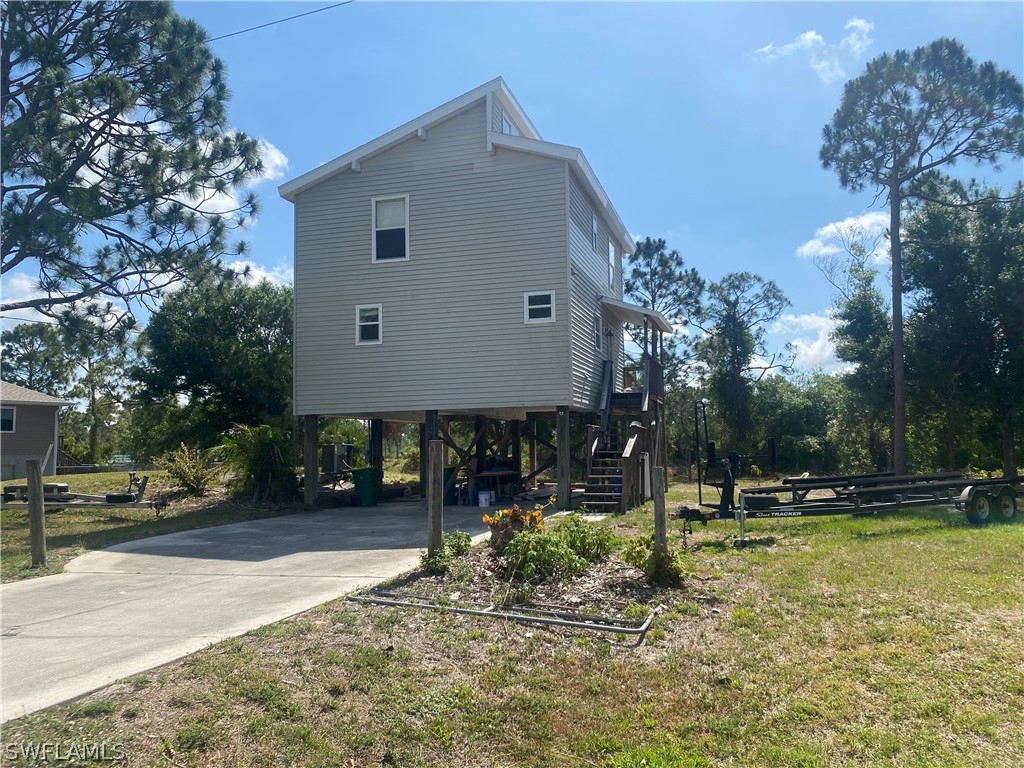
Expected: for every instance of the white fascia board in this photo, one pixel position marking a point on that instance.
(290, 189)
(634, 314)
(509, 102)
(575, 157)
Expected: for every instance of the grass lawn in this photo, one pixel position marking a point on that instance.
(75, 530)
(875, 641)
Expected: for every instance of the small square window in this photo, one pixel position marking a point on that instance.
(391, 228)
(369, 324)
(7, 419)
(539, 307)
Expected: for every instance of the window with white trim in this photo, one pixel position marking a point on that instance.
(391, 228)
(7, 419)
(598, 334)
(507, 126)
(369, 324)
(613, 263)
(539, 307)
(593, 229)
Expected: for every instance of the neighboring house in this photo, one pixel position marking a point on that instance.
(460, 267)
(28, 429)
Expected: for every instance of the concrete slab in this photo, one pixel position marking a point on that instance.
(117, 612)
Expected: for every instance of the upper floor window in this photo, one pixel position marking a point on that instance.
(593, 229)
(598, 334)
(7, 419)
(539, 307)
(391, 228)
(507, 126)
(369, 324)
(613, 264)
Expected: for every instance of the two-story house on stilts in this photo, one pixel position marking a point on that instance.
(461, 268)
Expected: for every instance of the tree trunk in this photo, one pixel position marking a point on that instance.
(1009, 452)
(899, 423)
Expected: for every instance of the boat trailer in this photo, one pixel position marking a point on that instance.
(983, 500)
(57, 496)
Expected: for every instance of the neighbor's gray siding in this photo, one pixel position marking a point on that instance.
(34, 430)
(484, 229)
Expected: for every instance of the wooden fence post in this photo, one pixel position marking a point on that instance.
(660, 522)
(435, 496)
(36, 512)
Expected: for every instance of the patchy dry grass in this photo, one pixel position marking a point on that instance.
(890, 640)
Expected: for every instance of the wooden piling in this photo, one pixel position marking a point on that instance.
(36, 512)
(435, 496)
(310, 460)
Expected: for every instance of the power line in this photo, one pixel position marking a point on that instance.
(74, 80)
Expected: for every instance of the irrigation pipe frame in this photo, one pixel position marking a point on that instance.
(551, 618)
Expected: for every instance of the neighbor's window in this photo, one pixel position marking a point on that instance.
(613, 263)
(593, 229)
(539, 307)
(391, 228)
(7, 419)
(598, 334)
(368, 324)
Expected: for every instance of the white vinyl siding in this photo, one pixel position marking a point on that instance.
(484, 230)
(369, 324)
(390, 228)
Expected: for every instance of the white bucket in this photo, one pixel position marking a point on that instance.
(485, 499)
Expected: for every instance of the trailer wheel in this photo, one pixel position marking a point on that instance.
(1006, 505)
(978, 509)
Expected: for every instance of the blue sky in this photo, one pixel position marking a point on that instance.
(702, 121)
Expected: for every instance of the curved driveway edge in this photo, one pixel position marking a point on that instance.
(120, 611)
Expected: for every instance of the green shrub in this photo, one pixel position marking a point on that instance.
(660, 567)
(262, 461)
(542, 556)
(190, 469)
(587, 540)
(453, 545)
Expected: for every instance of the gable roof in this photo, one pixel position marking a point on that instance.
(530, 141)
(12, 394)
(496, 88)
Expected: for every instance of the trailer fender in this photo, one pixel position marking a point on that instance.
(976, 503)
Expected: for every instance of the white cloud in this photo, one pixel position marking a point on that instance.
(868, 227)
(808, 40)
(809, 335)
(858, 41)
(823, 57)
(275, 164)
(279, 275)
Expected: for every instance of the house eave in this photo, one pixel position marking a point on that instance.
(418, 127)
(634, 314)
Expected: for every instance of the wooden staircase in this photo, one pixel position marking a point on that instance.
(614, 449)
(604, 485)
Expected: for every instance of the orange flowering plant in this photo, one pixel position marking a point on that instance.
(506, 523)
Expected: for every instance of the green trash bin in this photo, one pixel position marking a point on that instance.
(450, 493)
(367, 482)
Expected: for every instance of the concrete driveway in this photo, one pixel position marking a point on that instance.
(120, 611)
